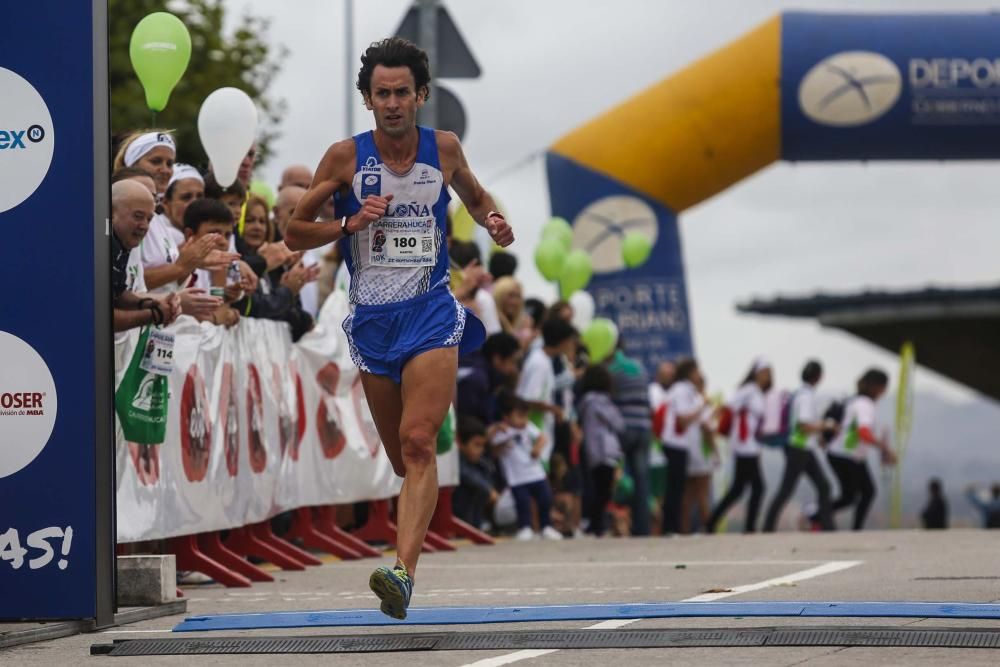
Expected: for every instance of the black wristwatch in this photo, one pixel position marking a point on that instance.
(344, 231)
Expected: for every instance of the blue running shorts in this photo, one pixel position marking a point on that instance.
(384, 337)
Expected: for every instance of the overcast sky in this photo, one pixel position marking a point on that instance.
(791, 229)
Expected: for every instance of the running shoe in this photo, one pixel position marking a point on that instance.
(525, 534)
(394, 587)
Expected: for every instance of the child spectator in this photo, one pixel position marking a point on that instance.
(474, 494)
(520, 444)
(602, 424)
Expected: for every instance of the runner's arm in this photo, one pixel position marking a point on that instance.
(478, 202)
(304, 232)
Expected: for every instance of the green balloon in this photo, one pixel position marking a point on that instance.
(600, 339)
(635, 249)
(262, 189)
(160, 50)
(559, 229)
(549, 258)
(576, 273)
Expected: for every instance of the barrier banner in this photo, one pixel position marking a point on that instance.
(256, 425)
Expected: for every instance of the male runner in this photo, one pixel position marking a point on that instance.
(405, 327)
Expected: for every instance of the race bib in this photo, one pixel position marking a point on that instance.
(158, 358)
(403, 242)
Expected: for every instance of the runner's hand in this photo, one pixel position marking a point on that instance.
(500, 231)
(372, 208)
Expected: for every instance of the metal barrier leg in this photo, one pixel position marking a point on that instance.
(211, 545)
(245, 543)
(304, 529)
(264, 533)
(190, 557)
(326, 522)
(448, 525)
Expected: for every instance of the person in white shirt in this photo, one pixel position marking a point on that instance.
(682, 424)
(703, 459)
(520, 445)
(747, 410)
(802, 450)
(537, 380)
(848, 452)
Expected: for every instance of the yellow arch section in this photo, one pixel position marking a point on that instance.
(695, 133)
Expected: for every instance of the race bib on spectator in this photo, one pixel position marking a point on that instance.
(403, 242)
(158, 357)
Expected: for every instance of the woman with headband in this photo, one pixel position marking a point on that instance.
(747, 409)
(152, 150)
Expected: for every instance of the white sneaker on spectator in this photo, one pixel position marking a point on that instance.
(192, 578)
(524, 534)
(550, 533)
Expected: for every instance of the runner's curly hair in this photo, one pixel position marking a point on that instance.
(395, 52)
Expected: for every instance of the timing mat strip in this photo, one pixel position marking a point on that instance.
(588, 612)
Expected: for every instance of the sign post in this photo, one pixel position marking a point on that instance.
(56, 378)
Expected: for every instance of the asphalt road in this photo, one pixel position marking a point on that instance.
(954, 566)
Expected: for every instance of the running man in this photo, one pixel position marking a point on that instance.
(405, 328)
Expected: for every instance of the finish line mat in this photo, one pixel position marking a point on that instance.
(562, 639)
(587, 612)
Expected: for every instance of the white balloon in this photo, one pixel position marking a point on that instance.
(227, 126)
(583, 309)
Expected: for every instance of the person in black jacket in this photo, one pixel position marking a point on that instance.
(274, 299)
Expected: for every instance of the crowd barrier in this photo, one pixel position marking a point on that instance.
(257, 425)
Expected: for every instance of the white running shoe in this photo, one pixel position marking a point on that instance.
(550, 533)
(525, 534)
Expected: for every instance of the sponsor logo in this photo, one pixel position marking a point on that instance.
(196, 427)
(255, 420)
(850, 88)
(411, 210)
(329, 421)
(28, 404)
(26, 139)
(144, 395)
(371, 180)
(600, 227)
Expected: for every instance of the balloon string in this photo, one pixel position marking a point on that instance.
(153, 125)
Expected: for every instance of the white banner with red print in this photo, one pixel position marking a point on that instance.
(256, 425)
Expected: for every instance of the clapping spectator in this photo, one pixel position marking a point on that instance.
(131, 210)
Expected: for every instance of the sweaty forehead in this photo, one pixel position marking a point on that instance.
(391, 77)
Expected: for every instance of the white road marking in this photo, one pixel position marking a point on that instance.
(627, 563)
(826, 568)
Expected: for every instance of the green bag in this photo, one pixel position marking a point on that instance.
(141, 400)
(446, 436)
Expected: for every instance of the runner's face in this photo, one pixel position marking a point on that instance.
(394, 100)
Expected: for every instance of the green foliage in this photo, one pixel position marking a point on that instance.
(243, 60)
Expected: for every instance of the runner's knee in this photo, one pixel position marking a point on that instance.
(418, 445)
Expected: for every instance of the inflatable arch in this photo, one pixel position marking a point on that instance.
(801, 86)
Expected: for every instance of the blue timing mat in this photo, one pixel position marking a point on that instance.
(588, 612)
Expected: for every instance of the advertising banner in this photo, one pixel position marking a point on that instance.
(907, 86)
(55, 250)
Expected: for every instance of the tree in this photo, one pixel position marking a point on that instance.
(243, 60)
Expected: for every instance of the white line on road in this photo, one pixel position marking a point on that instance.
(614, 624)
(626, 563)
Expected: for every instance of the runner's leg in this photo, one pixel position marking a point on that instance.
(428, 390)
(386, 404)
